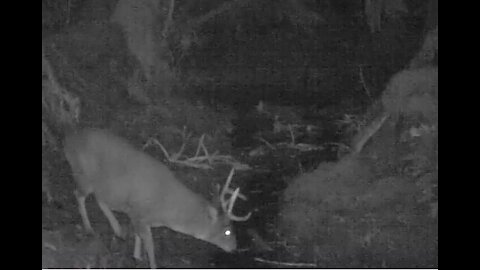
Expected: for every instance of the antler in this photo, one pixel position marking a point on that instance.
(227, 205)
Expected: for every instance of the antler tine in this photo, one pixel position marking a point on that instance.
(230, 208)
(224, 202)
(232, 200)
(227, 205)
(240, 195)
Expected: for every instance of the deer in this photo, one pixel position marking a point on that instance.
(128, 180)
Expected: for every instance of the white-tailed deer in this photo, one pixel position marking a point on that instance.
(125, 179)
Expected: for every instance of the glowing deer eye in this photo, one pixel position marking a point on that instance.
(228, 232)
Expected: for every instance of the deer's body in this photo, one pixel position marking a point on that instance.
(125, 179)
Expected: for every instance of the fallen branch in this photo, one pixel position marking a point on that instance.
(304, 147)
(220, 159)
(197, 161)
(199, 146)
(185, 138)
(285, 263)
(193, 165)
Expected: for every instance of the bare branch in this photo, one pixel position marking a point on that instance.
(209, 158)
(266, 143)
(367, 133)
(185, 139)
(285, 263)
(154, 141)
(200, 141)
(197, 161)
(364, 84)
(192, 164)
(292, 136)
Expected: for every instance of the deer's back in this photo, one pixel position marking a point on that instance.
(120, 175)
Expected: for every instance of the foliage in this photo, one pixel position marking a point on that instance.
(91, 61)
(340, 215)
(413, 92)
(377, 208)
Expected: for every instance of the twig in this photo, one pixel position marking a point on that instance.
(267, 143)
(196, 162)
(285, 263)
(154, 141)
(291, 134)
(197, 159)
(368, 133)
(201, 145)
(192, 164)
(304, 147)
(198, 147)
(364, 84)
(185, 139)
(50, 246)
(209, 158)
(339, 145)
(173, 159)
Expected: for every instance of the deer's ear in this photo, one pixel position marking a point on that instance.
(212, 213)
